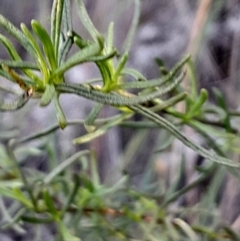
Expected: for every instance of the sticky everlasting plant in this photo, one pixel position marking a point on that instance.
(52, 66)
(43, 78)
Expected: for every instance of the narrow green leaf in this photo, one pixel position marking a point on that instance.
(197, 105)
(120, 66)
(134, 73)
(156, 82)
(78, 58)
(222, 103)
(40, 134)
(21, 174)
(15, 105)
(184, 139)
(102, 130)
(87, 183)
(89, 122)
(71, 197)
(95, 177)
(87, 21)
(15, 56)
(7, 76)
(99, 59)
(113, 99)
(79, 41)
(11, 183)
(16, 33)
(164, 71)
(180, 176)
(55, 127)
(47, 95)
(33, 219)
(106, 74)
(10, 48)
(12, 222)
(170, 102)
(213, 131)
(64, 50)
(186, 228)
(192, 74)
(61, 167)
(46, 43)
(15, 76)
(67, 19)
(50, 204)
(38, 53)
(19, 64)
(66, 235)
(131, 33)
(16, 194)
(59, 112)
(56, 20)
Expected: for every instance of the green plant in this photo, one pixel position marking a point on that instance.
(112, 211)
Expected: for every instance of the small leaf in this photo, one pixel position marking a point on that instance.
(59, 112)
(197, 105)
(163, 69)
(102, 130)
(131, 33)
(56, 20)
(46, 43)
(134, 73)
(10, 48)
(87, 21)
(186, 228)
(78, 58)
(61, 167)
(101, 58)
(15, 56)
(113, 99)
(19, 64)
(120, 66)
(67, 236)
(156, 82)
(15, 77)
(38, 53)
(87, 183)
(222, 103)
(16, 194)
(79, 41)
(67, 19)
(33, 219)
(170, 102)
(73, 193)
(193, 81)
(12, 222)
(91, 118)
(64, 50)
(15, 105)
(47, 95)
(50, 204)
(16, 33)
(11, 184)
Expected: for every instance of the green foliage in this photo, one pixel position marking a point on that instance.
(79, 205)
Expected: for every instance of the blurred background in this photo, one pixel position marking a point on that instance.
(207, 29)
